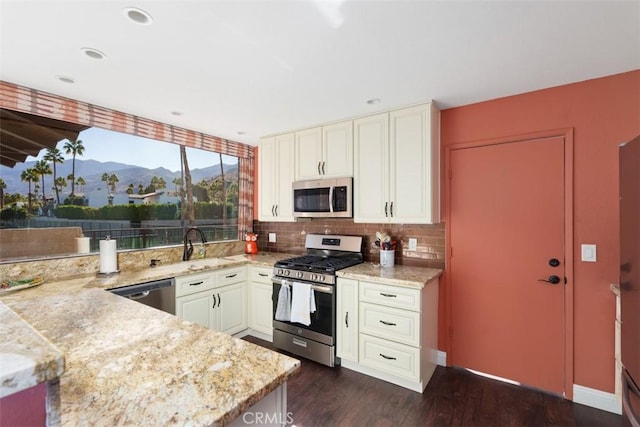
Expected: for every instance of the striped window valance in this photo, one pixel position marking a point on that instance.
(32, 101)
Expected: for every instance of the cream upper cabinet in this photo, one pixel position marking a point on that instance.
(276, 166)
(397, 166)
(371, 168)
(324, 152)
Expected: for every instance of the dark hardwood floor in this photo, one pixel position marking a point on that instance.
(322, 396)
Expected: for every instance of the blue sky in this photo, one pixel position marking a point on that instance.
(105, 145)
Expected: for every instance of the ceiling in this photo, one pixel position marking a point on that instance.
(244, 69)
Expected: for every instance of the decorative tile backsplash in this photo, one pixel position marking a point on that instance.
(290, 238)
(81, 265)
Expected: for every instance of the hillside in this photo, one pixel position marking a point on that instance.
(92, 171)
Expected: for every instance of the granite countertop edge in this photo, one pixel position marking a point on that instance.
(399, 275)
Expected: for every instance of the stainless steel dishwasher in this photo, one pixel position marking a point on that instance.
(160, 294)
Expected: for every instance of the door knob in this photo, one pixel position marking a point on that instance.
(554, 280)
(553, 262)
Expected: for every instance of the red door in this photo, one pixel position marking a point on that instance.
(507, 228)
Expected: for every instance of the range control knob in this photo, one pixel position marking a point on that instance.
(321, 278)
(287, 272)
(300, 274)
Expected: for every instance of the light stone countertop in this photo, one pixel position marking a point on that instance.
(127, 363)
(399, 275)
(26, 357)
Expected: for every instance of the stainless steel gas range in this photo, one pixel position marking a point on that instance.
(304, 296)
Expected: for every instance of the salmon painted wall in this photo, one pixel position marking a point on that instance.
(603, 112)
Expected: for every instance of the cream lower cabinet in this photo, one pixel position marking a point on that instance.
(260, 303)
(347, 319)
(217, 300)
(396, 333)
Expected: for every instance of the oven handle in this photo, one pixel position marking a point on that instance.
(317, 288)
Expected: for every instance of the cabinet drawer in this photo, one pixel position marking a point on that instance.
(398, 325)
(186, 285)
(231, 275)
(391, 296)
(390, 357)
(260, 274)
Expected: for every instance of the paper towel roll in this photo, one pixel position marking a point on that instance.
(83, 244)
(108, 256)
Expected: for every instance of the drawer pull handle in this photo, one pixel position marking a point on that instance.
(196, 283)
(231, 275)
(388, 323)
(346, 319)
(388, 295)
(387, 357)
(263, 274)
(299, 342)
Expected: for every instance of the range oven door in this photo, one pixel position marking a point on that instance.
(322, 327)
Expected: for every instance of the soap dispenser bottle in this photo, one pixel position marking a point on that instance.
(201, 250)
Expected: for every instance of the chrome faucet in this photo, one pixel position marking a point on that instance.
(188, 251)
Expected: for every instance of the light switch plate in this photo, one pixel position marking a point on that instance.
(589, 253)
(272, 237)
(413, 244)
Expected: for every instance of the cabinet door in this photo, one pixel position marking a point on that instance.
(275, 170)
(267, 152)
(308, 154)
(414, 172)
(197, 308)
(347, 321)
(371, 168)
(284, 170)
(260, 308)
(231, 309)
(337, 150)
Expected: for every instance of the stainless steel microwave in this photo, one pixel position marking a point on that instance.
(323, 198)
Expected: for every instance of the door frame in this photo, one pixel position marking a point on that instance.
(567, 135)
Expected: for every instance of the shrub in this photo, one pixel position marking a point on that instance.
(13, 213)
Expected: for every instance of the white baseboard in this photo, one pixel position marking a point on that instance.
(596, 399)
(442, 358)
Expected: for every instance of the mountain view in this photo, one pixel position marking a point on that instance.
(92, 170)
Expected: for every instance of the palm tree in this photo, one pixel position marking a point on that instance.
(29, 175)
(113, 180)
(3, 186)
(140, 189)
(54, 155)
(130, 189)
(42, 168)
(178, 183)
(58, 184)
(105, 178)
(81, 182)
(74, 148)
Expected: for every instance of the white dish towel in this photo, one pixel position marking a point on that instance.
(283, 309)
(303, 303)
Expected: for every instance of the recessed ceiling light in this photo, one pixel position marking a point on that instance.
(177, 113)
(93, 53)
(66, 79)
(138, 16)
(373, 101)
(241, 132)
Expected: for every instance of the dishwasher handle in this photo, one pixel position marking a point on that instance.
(139, 295)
